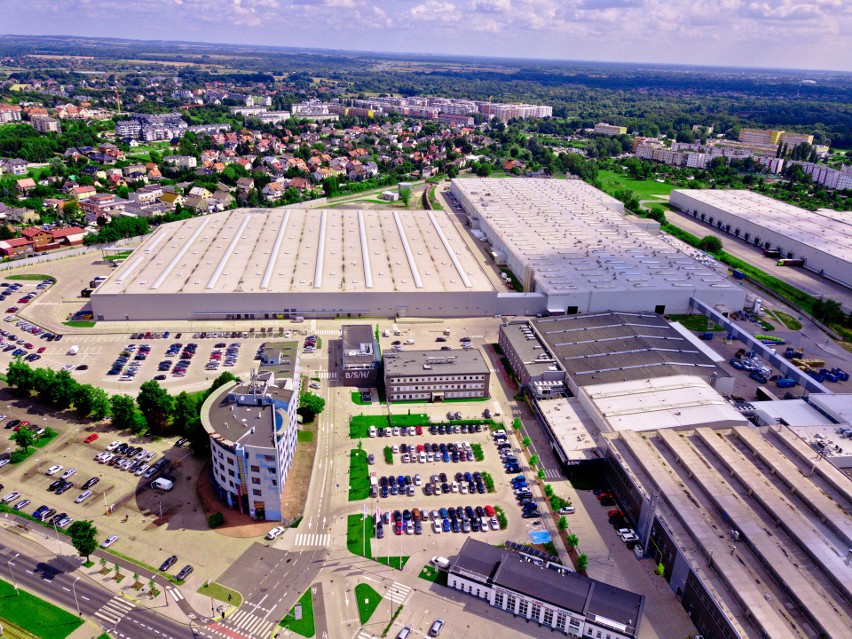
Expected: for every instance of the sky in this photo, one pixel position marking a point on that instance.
(804, 34)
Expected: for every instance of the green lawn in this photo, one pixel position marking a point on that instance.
(356, 399)
(359, 475)
(368, 600)
(30, 277)
(18, 454)
(695, 322)
(430, 573)
(80, 324)
(358, 536)
(35, 615)
(787, 320)
(305, 436)
(220, 592)
(305, 625)
(644, 189)
(359, 425)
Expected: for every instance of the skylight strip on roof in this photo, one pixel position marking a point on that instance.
(177, 258)
(414, 272)
(158, 236)
(320, 250)
(228, 252)
(276, 248)
(365, 253)
(449, 250)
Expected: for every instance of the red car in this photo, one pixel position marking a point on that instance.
(91, 438)
(418, 430)
(42, 349)
(21, 425)
(615, 513)
(489, 510)
(12, 309)
(28, 346)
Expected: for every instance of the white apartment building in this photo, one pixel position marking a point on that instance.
(609, 129)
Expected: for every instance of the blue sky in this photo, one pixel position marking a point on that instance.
(808, 34)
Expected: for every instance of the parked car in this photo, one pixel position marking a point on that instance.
(109, 541)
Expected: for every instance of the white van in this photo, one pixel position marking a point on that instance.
(162, 484)
(440, 562)
(74, 350)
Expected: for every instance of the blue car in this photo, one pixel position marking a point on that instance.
(444, 514)
(446, 525)
(446, 457)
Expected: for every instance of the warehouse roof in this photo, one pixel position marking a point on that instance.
(467, 361)
(575, 238)
(302, 250)
(600, 348)
(824, 230)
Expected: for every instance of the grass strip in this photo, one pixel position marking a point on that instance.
(359, 475)
(305, 625)
(221, 593)
(368, 600)
(35, 615)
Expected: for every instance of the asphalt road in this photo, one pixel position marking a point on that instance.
(55, 581)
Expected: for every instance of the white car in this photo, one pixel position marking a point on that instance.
(83, 496)
(11, 497)
(275, 532)
(68, 473)
(106, 458)
(141, 470)
(627, 534)
(3, 462)
(53, 470)
(114, 445)
(495, 525)
(109, 541)
(567, 510)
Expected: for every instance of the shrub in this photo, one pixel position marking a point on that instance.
(215, 520)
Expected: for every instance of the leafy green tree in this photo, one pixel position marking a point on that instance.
(710, 244)
(405, 196)
(310, 405)
(534, 461)
(563, 523)
(572, 539)
(20, 376)
(125, 415)
(90, 400)
(582, 562)
(83, 537)
(526, 441)
(186, 416)
(24, 439)
(156, 405)
(828, 311)
(6, 232)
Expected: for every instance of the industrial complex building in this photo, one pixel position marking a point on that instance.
(436, 375)
(823, 239)
(252, 428)
(572, 243)
(283, 263)
(552, 597)
(568, 243)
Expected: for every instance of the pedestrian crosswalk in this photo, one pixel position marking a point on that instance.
(552, 473)
(312, 540)
(399, 593)
(114, 610)
(335, 333)
(175, 593)
(365, 634)
(247, 622)
(326, 374)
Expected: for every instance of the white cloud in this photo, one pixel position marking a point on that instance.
(734, 32)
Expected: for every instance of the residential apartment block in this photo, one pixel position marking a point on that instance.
(45, 124)
(610, 129)
(436, 375)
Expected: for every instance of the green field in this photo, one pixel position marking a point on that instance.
(358, 536)
(359, 475)
(305, 436)
(35, 615)
(34, 277)
(220, 592)
(695, 322)
(644, 189)
(368, 600)
(305, 625)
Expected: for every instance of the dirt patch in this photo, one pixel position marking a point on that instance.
(296, 488)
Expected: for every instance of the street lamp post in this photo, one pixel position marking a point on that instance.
(76, 601)
(11, 574)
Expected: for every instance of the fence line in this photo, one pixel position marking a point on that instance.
(44, 258)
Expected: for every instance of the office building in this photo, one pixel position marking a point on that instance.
(436, 375)
(252, 428)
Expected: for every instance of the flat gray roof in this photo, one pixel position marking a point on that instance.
(530, 349)
(289, 250)
(576, 238)
(741, 479)
(466, 361)
(824, 230)
(358, 344)
(613, 347)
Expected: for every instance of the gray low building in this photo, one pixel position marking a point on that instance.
(553, 597)
(360, 355)
(436, 375)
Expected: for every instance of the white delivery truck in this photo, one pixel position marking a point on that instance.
(162, 483)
